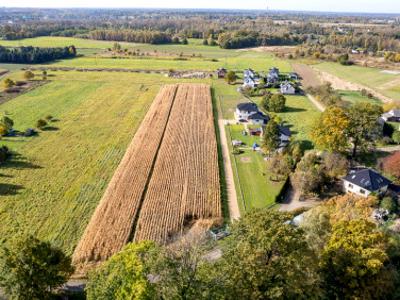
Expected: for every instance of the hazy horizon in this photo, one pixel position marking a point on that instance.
(355, 6)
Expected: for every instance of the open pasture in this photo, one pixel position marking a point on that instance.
(386, 83)
(56, 179)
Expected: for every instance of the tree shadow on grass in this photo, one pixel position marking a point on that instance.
(293, 110)
(50, 128)
(17, 161)
(9, 189)
(6, 176)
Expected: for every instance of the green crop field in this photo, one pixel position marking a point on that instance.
(378, 79)
(56, 179)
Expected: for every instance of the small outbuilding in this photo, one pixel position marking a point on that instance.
(221, 72)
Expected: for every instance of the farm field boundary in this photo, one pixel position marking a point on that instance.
(167, 182)
(111, 224)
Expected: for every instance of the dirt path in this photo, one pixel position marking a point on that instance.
(234, 211)
(317, 104)
(309, 78)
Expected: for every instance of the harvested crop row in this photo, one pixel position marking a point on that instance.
(112, 223)
(184, 187)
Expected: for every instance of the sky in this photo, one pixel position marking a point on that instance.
(378, 6)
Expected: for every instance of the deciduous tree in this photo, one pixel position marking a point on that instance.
(329, 132)
(391, 164)
(28, 75)
(364, 127)
(355, 263)
(124, 275)
(32, 269)
(271, 136)
(268, 258)
(230, 77)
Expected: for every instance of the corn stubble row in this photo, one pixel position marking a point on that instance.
(167, 179)
(185, 182)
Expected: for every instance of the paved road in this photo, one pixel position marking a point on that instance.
(234, 211)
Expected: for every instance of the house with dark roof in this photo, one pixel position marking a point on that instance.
(258, 118)
(284, 136)
(363, 182)
(273, 76)
(245, 110)
(221, 72)
(391, 116)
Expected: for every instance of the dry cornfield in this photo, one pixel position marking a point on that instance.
(185, 182)
(167, 180)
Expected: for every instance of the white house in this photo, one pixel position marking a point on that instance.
(245, 110)
(273, 75)
(391, 116)
(250, 79)
(287, 89)
(249, 82)
(258, 119)
(363, 182)
(249, 73)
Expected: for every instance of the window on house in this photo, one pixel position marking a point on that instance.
(362, 191)
(351, 186)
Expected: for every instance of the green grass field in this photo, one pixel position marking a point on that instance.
(56, 179)
(385, 83)
(299, 115)
(256, 188)
(356, 97)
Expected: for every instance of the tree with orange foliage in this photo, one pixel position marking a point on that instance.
(391, 164)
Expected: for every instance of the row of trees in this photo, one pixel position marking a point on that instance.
(134, 36)
(35, 54)
(245, 39)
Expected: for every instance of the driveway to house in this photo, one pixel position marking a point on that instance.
(389, 149)
(234, 211)
(292, 201)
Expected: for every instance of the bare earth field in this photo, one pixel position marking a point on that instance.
(167, 181)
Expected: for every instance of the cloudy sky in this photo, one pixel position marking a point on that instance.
(389, 6)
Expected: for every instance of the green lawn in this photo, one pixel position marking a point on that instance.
(254, 188)
(385, 83)
(356, 97)
(299, 115)
(56, 179)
